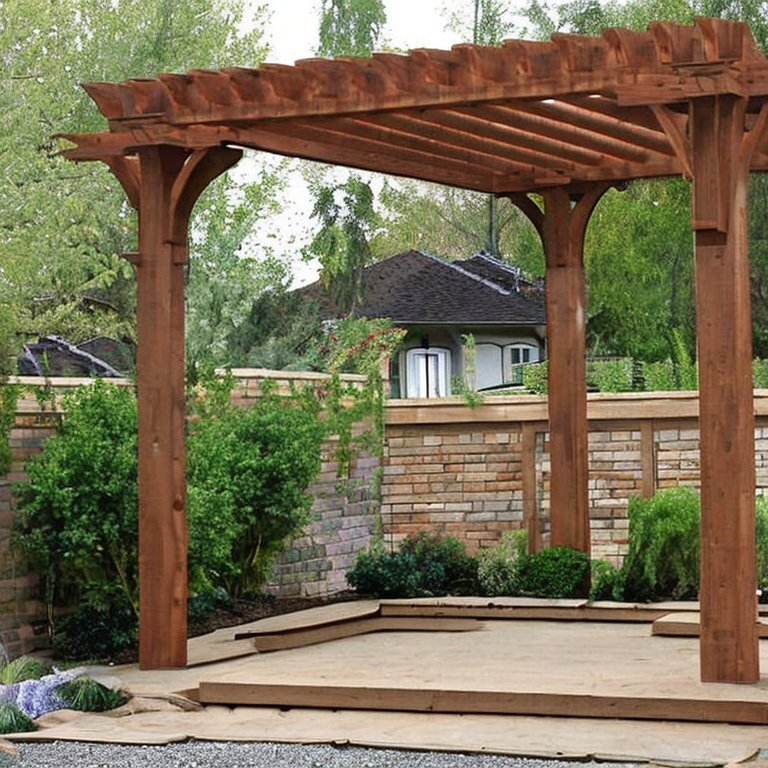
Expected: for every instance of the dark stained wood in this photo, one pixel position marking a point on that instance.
(168, 181)
(729, 643)
(482, 702)
(562, 224)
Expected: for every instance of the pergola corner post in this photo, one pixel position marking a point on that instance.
(163, 184)
(562, 224)
(721, 150)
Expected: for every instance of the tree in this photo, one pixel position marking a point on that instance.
(226, 272)
(348, 220)
(350, 27)
(64, 226)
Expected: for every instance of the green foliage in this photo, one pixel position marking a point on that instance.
(760, 373)
(248, 470)
(77, 522)
(498, 569)
(224, 280)
(662, 561)
(23, 668)
(557, 572)
(97, 629)
(606, 582)
(13, 720)
(610, 375)
(348, 219)
(247, 474)
(425, 565)
(63, 225)
(88, 695)
(536, 378)
(9, 394)
(761, 542)
(350, 27)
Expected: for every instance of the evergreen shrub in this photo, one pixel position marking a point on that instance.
(425, 565)
(557, 572)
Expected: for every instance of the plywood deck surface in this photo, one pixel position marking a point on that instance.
(599, 660)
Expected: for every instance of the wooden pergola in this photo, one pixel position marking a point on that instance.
(564, 119)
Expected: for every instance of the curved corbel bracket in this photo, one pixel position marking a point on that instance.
(200, 169)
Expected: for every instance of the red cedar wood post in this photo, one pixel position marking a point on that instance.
(562, 225)
(721, 155)
(163, 185)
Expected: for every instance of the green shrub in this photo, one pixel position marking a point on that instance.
(606, 582)
(662, 561)
(88, 695)
(659, 376)
(557, 572)
(610, 375)
(498, 566)
(23, 668)
(13, 720)
(425, 565)
(248, 470)
(96, 630)
(77, 521)
(535, 378)
(761, 541)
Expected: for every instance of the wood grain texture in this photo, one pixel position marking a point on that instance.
(404, 699)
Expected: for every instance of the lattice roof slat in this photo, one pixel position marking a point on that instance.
(501, 119)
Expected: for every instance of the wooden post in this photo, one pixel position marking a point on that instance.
(163, 185)
(562, 225)
(160, 387)
(721, 153)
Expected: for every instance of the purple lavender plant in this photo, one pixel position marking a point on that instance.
(37, 697)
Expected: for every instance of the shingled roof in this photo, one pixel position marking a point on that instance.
(418, 288)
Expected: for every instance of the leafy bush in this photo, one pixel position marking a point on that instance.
(78, 518)
(77, 522)
(557, 572)
(535, 378)
(95, 630)
(425, 565)
(606, 581)
(498, 566)
(248, 470)
(610, 375)
(761, 541)
(663, 556)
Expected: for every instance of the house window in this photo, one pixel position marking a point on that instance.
(516, 356)
(488, 365)
(428, 372)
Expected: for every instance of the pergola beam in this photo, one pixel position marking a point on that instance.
(565, 119)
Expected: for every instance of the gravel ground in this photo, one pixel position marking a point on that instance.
(205, 754)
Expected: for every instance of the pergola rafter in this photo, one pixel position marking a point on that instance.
(565, 119)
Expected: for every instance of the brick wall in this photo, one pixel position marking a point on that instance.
(474, 473)
(343, 515)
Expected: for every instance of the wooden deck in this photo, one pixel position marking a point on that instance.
(520, 682)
